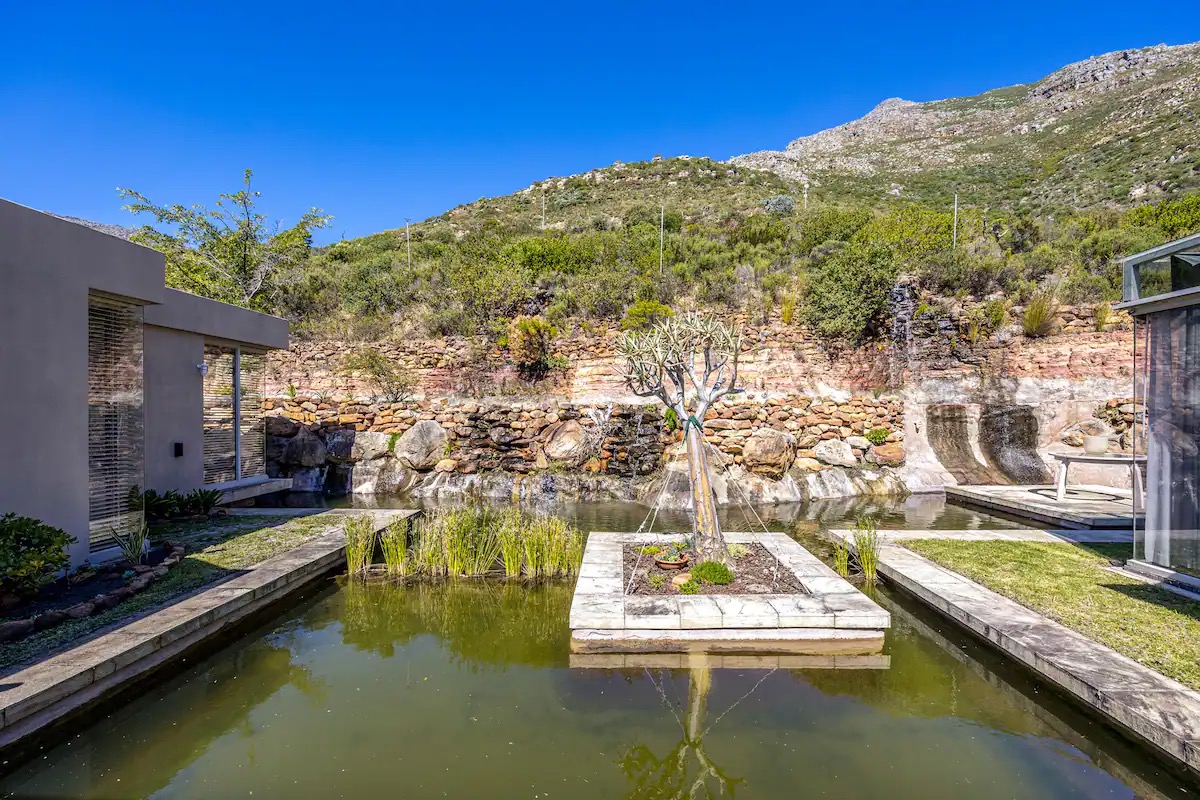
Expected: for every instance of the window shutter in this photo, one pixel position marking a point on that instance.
(220, 444)
(252, 439)
(115, 423)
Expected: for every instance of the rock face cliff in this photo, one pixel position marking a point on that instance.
(1117, 127)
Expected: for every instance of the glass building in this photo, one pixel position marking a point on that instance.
(1162, 292)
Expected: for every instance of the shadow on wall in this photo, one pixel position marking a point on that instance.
(1007, 439)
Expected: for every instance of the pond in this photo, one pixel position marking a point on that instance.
(465, 690)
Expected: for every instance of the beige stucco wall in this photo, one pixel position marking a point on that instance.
(47, 266)
(174, 409)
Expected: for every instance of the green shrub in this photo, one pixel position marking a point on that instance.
(671, 419)
(996, 313)
(30, 553)
(530, 342)
(644, 314)
(1039, 316)
(389, 380)
(1101, 316)
(689, 587)
(657, 580)
(877, 436)
(847, 299)
(737, 551)
(712, 572)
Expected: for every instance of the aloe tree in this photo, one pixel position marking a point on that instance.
(688, 362)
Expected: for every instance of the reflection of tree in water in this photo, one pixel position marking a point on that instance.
(686, 771)
(481, 622)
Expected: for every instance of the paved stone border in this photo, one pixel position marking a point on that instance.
(600, 606)
(1159, 711)
(1068, 536)
(65, 685)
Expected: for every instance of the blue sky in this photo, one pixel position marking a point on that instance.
(376, 112)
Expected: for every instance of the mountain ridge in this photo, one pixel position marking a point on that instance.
(1063, 140)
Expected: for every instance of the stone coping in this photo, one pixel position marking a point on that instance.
(728, 661)
(66, 684)
(832, 603)
(1156, 709)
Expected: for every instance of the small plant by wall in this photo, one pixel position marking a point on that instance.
(31, 552)
(1039, 317)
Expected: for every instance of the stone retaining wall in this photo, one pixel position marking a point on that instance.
(386, 447)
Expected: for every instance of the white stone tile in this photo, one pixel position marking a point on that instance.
(657, 613)
(597, 611)
(802, 611)
(698, 611)
(741, 611)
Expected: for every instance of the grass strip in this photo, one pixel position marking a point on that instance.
(1073, 585)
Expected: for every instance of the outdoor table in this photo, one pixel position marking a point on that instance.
(1130, 462)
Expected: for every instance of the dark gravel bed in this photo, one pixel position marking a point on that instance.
(756, 572)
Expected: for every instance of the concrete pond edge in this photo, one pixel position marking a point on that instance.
(1152, 708)
(831, 616)
(64, 686)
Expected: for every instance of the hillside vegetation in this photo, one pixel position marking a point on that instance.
(829, 267)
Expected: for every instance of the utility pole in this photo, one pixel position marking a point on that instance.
(408, 241)
(662, 220)
(955, 246)
(543, 206)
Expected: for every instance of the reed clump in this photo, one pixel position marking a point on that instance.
(360, 543)
(866, 548)
(841, 558)
(480, 541)
(393, 542)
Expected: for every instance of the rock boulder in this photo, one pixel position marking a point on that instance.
(887, 455)
(422, 445)
(305, 449)
(769, 452)
(834, 452)
(565, 441)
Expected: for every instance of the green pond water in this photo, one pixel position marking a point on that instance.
(465, 690)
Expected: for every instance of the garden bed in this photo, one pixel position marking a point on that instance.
(217, 549)
(755, 571)
(1075, 586)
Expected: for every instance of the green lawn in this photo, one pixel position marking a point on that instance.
(216, 549)
(1070, 584)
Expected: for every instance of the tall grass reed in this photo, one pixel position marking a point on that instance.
(475, 540)
(866, 548)
(393, 541)
(841, 558)
(360, 543)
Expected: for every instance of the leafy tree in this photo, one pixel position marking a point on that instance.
(847, 295)
(230, 252)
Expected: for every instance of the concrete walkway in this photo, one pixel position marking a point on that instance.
(1162, 712)
(61, 687)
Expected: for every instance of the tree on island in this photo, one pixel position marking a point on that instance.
(688, 362)
(229, 253)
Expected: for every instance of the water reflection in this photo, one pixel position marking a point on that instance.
(464, 689)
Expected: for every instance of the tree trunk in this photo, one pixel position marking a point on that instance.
(706, 531)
